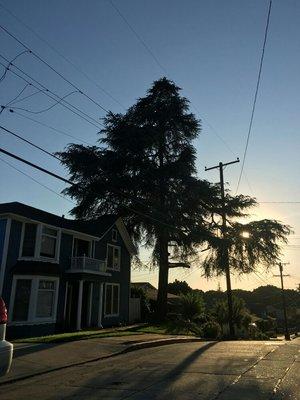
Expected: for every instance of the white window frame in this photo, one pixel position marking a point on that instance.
(112, 299)
(38, 242)
(32, 319)
(92, 246)
(114, 235)
(119, 265)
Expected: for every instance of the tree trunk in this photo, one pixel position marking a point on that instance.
(162, 306)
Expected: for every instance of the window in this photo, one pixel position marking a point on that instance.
(45, 299)
(81, 248)
(34, 299)
(114, 235)
(40, 242)
(48, 242)
(112, 298)
(22, 298)
(29, 240)
(113, 257)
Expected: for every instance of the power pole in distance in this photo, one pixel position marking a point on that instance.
(287, 333)
(225, 255)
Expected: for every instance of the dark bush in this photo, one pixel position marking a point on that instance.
(211, 330)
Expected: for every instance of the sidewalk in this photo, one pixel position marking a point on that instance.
(34, 359)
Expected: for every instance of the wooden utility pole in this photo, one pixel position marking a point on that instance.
(287, 333)
(225, 255)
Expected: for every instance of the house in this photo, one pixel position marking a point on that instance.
(59, 274)
(151, 291)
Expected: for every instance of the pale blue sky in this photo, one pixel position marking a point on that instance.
(209, 48)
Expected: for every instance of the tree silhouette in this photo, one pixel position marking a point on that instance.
(144, 169)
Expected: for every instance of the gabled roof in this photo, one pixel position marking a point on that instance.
(150, 290)
(95, 228)
(92, 227)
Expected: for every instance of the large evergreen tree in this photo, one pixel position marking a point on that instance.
(144, 169)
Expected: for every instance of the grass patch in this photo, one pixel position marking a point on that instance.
(161, 329)
(167, 328)
(73, 336)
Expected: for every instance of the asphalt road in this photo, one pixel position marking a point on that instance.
(198, 371)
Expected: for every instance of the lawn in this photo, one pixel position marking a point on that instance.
(162, 329)
(81, 335)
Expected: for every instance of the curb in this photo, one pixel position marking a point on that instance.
(130, 348)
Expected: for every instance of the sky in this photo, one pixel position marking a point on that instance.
(211, 49)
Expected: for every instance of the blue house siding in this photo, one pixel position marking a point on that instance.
(39, 268)
(121, 277)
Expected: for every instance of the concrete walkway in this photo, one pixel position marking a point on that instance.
(34, 359)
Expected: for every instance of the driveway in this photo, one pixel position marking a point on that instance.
(201, 371)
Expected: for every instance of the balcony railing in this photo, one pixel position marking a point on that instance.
(87, 264)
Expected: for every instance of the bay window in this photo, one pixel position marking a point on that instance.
(34, 299)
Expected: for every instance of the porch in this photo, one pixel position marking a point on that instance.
(83, 304)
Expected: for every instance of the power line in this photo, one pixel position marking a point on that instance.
(159, 221)
(65, 103)
(47, 91)
(50, 127)
(54, 156)
(36, 181)
(255, 95)
(15, 99)
(30, 143)
(139, 38)
(88, 77)
(35, 166)
(6, 68)
(52, 68)
(47, 108)
(148, 49)
(279, 202)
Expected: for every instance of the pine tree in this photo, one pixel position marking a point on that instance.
(144, 169)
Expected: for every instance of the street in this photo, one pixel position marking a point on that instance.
(204, 371)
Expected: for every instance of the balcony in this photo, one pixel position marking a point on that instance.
(88, 265)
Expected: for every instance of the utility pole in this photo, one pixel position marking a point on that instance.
(225, 255)
(287, 333)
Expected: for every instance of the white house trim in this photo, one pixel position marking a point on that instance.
(38, 241)
(100, 305)
(4, 253)
(21, 218)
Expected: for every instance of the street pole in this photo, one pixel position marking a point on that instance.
(287, 333)
(225, 254)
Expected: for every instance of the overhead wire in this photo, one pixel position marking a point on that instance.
(51, 127)
(64, 103)
(54, 175)
(18, 95)
(47, 108)
(38, 57)
(6, 68)
(255, 95)
(54, 49)
(30, 143)
(36, 181)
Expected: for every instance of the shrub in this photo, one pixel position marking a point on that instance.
(211, 330)
(192, 306)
